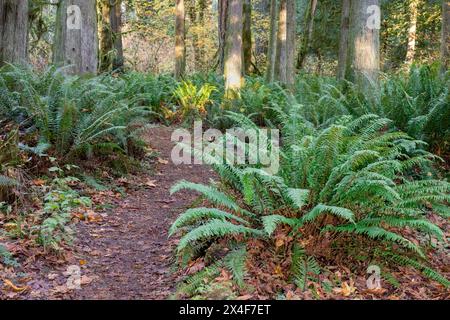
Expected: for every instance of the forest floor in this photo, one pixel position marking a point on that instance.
(124, 252)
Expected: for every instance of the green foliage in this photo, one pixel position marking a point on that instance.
(353, 171)
(192, 100)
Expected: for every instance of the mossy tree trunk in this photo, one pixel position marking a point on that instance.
(111, 48)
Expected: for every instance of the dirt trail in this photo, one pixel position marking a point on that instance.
(128, 254)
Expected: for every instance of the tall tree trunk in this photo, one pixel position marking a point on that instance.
(247, 36)
(76, 41)
(222, 27)
(272, 49)
(261, 41)
(233, 50)
(116, 26)
(280, 62)
(180, 33)
(343, 42)
(13, 31)
(111, 49)
(307, 36)
(197, 20)
(291, 32)
(412, 33)
(445, 41)
(363, 65)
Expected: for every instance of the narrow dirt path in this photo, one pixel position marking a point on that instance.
(128, 254)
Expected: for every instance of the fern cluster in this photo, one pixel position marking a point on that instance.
(352, 177)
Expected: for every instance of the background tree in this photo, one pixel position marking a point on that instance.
(180, 35)
(111, 48)
(13, 31)
(445, 42)
(222, 32)
(343, 41)
(272, 47)
(363, 65)
(280, 62)
(247, 36)
(233, 49)
(412, 33)
(308, 35)
(76, 41)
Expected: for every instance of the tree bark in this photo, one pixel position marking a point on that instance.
(280, 62)
(116, 26)
(180, 34)
(343, 42)
(111, 49)
(445, 41)
(306, 40)
(222, 27)
(363, 65)
(76, 41)
(412, 33)
(247, 36)
(233, 50)
(272, 48)
(291, 32)
(13, 31)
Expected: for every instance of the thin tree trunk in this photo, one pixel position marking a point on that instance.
(291, 31)
(222, 27)
(233, 50)
(76, 41)
(261, 42)
(306, 41)
(13, 31)
(445, 41)
(363, 65)
(116, 26)
(412, 33)
(280, 63)
(343, 42)
(105, 39)
(247, 36)
(272, 49)
(180, 33)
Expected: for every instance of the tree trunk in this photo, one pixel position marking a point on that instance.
(13, 31)
(363, 65)
(247, 36)
(343, 42)
(261, 41)
(76, 41)
(411, 50)
(445, 42)
(306, 40)
(291, 32)
(233, 50)
(272, 49)
(222, 27)
(116, 26)
(180, 33)
(280, 62)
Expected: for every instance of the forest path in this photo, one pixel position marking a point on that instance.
(128, 254)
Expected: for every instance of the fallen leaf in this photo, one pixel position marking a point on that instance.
(162, 161)
(13, 287)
